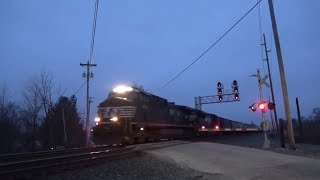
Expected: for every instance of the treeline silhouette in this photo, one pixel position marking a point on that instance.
(41, 119)
(310, 127)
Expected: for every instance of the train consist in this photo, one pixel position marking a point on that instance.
(130, 115)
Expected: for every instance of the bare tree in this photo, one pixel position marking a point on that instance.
(3, 98)
(38, 100)
(45, 86)
(9, 122)
(32, 107)
(138, 86)
(315, 114)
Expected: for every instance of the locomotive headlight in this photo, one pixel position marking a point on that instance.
(122, 89)
(114, 119)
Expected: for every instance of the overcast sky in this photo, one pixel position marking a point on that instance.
(150, 41)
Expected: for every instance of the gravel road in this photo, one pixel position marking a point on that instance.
(255, 140)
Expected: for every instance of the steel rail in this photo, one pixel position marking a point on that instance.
(46, 164)
(5, 158)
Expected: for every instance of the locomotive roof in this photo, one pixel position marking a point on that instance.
(115, 100)
(149, 94)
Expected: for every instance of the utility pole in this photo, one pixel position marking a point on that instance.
(282, 76)
(299, 118)
(271, 117)
(88, 75)
(282, 141)
(271, 86)
(64, 127)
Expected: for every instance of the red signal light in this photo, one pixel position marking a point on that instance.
(216, 127)
(271, 106)
(262, 106)
(203, 127)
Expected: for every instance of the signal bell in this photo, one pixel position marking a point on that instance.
(253, 107)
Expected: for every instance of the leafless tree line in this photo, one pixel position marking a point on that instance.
(310, 127)
(20, 121)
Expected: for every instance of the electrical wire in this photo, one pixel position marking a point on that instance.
(261, 43)
(261, 38)
(216, 42)
(93, 34)
(271, 51)
(80, 87)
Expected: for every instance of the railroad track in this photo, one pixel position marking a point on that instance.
(27, 165)
(6, 158)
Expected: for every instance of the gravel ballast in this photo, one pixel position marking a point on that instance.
(140, 166)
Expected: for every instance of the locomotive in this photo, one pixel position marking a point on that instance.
(131, 115)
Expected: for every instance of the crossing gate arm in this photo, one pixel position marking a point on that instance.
(229, 129)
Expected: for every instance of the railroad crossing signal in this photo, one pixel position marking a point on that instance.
(262, 81)
(262, 106)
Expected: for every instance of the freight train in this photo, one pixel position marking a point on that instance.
(132, 115)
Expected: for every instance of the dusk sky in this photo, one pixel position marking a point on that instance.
(150, 41)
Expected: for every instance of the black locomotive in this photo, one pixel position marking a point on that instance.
(138, 116)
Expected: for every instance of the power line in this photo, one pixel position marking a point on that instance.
(93, 34)
(261, 40)
(80, 88)
(261, 37)
(211, 45)
(89, 74)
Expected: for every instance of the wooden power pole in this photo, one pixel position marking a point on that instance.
(88, 75)
(282, 76)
